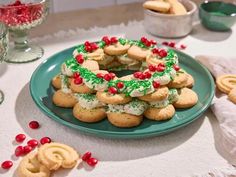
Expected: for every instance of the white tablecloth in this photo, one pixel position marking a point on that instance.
(195, 149)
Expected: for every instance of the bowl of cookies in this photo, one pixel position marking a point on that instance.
(170, 18)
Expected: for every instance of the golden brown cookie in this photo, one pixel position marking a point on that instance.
(56, 155)
(89, 115)
(160, 113)
(80, 88)
(158, 95)
(90, 65)
(153, 60)
(106, 60)
(138, 53)
(176, 7)
(56, 82)
(190, 81)
(62, 99)
(187, 98)
(179, 81)
(31, 167)
(232, 95)
(124, 120)
(116, 49)
(96, 55)
(108, 98)
(226, 83)
(160, 6)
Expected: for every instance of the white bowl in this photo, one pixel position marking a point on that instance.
(168, 25)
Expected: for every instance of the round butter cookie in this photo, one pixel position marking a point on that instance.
(56, 82)
(179, 81)
(124, 120)
(96, 55)
(80, 88)
(190, 81)
(226, 83)
(90, 65)
(158, 95)
(62, 99)
(116, 49)
(187, 98)
(138, 53)
(108, 98)
(153, 60)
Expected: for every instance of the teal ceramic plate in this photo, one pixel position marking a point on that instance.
(42, 91)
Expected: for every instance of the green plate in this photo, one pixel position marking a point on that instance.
(42, 91)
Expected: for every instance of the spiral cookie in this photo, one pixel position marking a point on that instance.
(56, 155)
(226, 83)
(232, 95)
(31, 167)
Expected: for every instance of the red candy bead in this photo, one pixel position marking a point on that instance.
(79, 58)
(156, 84)
(114, 40)
(148, 43)
(78, 80)
(92, 161)
(94, 46)
(100, 75)
(112, 75)
(32, 143)
(142, 76)
(165, 43)
(19, 151)
(182, 46)
(7, 164)
(27, 149)
(86, 156)
(171, 44)
(106, 40)
(112, 90)
(161, 65)
(34, 124)
(45, 140)
(148, 75)
(151, 68)
(120, 85)
(88, 48)
(176, 67)
(137, 74)
(20, 138)
(107, 77)
(143, 39)
(162, 53)
(76, 75)
(153, 42)
(87, 43)
(160, 68)
(155, 51)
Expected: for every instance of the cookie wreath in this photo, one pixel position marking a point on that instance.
(89, 86)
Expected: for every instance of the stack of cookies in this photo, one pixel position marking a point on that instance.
(87, 82)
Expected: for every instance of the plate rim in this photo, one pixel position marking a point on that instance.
(116, 134)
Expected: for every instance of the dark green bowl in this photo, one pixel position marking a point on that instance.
(217, 16)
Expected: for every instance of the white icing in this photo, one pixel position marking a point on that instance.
(163, 80)
(140, 91)
(90, 103)
(94, 86)
(159, 104)
(173, 95)
(64, 84)
(65, 70)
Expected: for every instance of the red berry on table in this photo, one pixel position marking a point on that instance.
(19, 151)
(27, 149)
(182, 46)
(20, 138)
(165, 43)
(76, 75)
(142, 76)
(153, 42)
(100, 75)
(176, 67)
(156, 84)
(148, 75)
(86, 156)
(171, 44)
(113, 75)
(87, 43)
(152, 68)
(114, 40)
(79, 58)
(78, 80)
(34, 124)
(92, 162)
(112, 90)
(120, 85)
(33, 143)
(137, 74)
(143, 39)
(107, 77)
(7, 164)
(162, 53)
(45, 140)
(155, 51)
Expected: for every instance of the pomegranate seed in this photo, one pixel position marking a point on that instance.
(94, 46)
(137, 74)
(34, 124)
(107, 77)
(79, 58)
(153, 42)
(176, 67)
(112, 75)
(20, 138)
(171, 44)
(92, 162)
(151, 68)
(156, 84)
(112, 90)
(100, 75)
(19, 151)
(165, 43)
(45, 140)
(162, 53)
(182, 46)
(155, 51)
(86, 156)
(114, 40)
(7, 164)
(142, 76)
(76, 75)
(32, 143)
(78, 80)
(148, 75)
(87, 43)
(120, 85)
(143, 39)
(27, 149)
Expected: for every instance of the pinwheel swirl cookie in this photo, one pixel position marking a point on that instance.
(89, 82)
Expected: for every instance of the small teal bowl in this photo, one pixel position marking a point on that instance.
(217, 16)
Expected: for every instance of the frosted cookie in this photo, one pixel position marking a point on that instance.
(159, 94)
(179, 81)
(62, 99)
(226, 83)
(90, 65)
(116, 49)
(187, 98)
(164, 113)
(176, 7)
(56, 82)
(80, 88)
(56, 155)
(108, 98)
(108, 59)
(152, 59)
(96, 55)
(190, 81)
(138, 53)
(160, 6)
(232, 95)
(31, 167)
